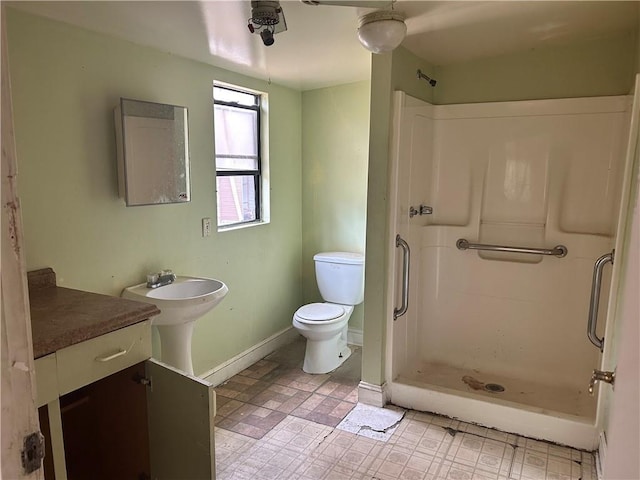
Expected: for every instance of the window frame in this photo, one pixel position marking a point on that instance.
(256, 174)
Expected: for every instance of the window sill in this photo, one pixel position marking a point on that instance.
(240, 226)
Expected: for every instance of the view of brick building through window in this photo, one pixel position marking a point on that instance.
(236, 200)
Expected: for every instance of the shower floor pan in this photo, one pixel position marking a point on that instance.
(563, 400)
(559, 414)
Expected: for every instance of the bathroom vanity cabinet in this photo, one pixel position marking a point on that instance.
(107, 409)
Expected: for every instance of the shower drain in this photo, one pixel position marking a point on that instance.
(494, 388)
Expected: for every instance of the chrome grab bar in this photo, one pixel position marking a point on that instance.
(596, 285)
(558, 251)
(406, 259)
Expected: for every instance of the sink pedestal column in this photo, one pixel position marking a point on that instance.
(175, 341)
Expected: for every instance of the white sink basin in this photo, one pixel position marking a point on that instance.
(184, 300)
(181, 303)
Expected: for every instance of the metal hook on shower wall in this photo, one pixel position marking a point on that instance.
(430, 80)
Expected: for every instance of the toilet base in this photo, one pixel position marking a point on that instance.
(318, 360)
(326, 342)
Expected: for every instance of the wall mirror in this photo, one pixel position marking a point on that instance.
(153, 152)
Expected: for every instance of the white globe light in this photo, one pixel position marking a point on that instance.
(382, 31)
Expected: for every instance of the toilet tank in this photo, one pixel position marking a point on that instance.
(340, 277)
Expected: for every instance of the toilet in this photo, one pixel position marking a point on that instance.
(340, 277)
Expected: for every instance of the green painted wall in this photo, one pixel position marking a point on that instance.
(66, 82)
(604, 66)
(405, 66)
(389, 72)
(335, 138)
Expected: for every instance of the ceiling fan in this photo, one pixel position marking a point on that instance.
(379, 31)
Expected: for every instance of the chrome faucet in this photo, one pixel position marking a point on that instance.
(164, 277)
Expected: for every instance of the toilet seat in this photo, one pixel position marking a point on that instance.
(319, 312)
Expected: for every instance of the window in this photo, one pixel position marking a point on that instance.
(238, 157)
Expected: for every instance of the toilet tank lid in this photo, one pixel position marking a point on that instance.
(349, 258)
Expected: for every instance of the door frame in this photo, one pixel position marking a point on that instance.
(613, 335)
(20, 417)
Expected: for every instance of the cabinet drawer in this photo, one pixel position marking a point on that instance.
(46, 380)
(86, 362)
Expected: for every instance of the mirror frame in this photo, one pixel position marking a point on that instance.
(175, 185)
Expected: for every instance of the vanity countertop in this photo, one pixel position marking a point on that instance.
(61, 317)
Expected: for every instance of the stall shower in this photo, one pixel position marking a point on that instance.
(503, 209)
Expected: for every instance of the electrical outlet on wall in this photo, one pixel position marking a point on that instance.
(206, 227)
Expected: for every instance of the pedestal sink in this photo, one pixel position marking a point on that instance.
(181, 303)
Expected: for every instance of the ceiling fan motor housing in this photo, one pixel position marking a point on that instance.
(265, 12)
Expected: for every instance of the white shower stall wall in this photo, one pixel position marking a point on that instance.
(526, 174)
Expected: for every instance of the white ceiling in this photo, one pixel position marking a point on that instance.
(320, 47)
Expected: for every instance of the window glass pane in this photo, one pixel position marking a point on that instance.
(236, 131)
(226, 95)
(236, 199)
(236, 163)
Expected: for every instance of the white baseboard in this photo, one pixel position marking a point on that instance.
(370, 394)
(354, 337)
(245, 359)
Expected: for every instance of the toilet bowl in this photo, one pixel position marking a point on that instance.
(340, 277)
(325, 326)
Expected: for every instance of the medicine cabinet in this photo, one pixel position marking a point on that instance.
(153, 152)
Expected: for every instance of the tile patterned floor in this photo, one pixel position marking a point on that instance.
(257, 399)
(274, 422)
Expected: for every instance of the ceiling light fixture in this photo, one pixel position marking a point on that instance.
(382, 31)
(267, 19)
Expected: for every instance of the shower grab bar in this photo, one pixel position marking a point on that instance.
(558, 251)
(406, 260)
(596, 285)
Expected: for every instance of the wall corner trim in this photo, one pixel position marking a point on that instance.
(370, 394)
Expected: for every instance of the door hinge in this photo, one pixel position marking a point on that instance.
(33, 452)
(141, 380)
(601, 376)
